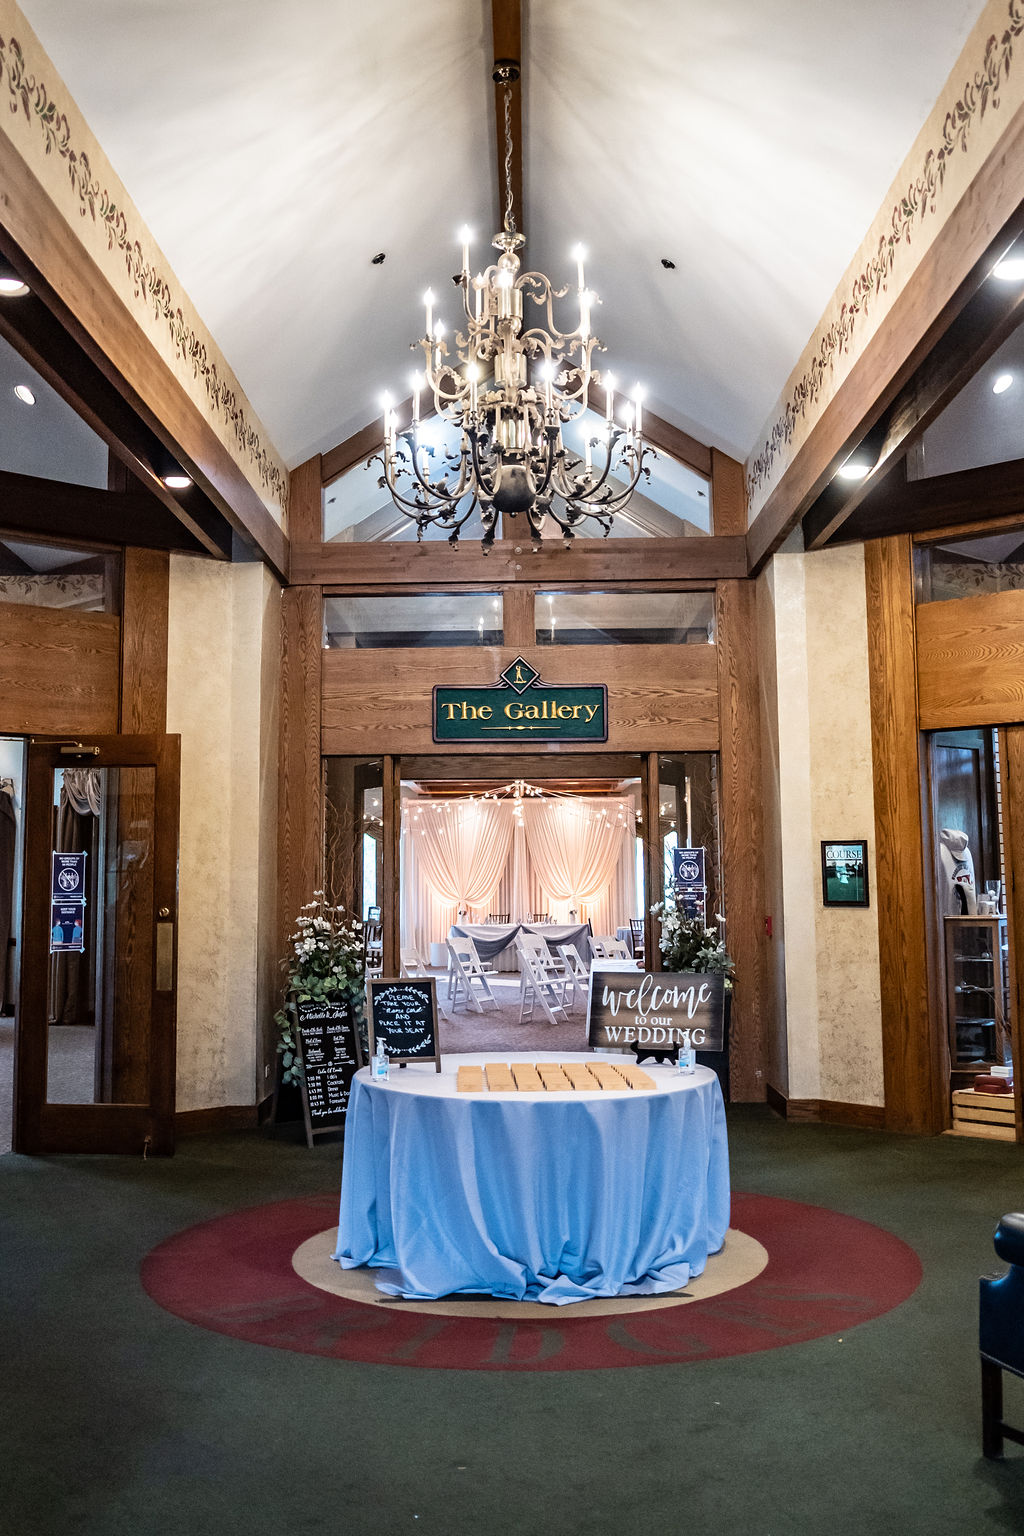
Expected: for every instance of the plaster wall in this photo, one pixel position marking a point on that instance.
(223, 639)
(818, 741)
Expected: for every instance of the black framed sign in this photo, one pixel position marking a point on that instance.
(844, 872)
(328, 1046)
(402, 1011)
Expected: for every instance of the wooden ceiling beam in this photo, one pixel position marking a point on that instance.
(81, 514)
(938, 502)
(507, 32)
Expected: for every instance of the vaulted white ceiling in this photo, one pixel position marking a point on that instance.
(274, 149)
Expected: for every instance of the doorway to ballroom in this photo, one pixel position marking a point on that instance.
(500, 850)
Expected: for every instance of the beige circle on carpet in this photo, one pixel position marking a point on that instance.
(741, 1260)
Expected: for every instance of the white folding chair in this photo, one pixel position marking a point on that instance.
(544, 961)
(541, 988)
(465, 968)
(578, 971)
(604, 947)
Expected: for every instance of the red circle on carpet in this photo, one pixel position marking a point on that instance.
(825, 1274)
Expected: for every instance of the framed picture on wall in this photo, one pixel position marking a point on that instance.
(844, 872)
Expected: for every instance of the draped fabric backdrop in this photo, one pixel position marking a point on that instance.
(563, 853)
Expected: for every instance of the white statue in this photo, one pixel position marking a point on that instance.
(959, 893)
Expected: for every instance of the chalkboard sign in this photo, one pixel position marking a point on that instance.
(329, 1052)
(402, 1011)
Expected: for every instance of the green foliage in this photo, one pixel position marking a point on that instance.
(325, 964)
(687, 945)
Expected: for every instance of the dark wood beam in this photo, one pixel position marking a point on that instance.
(993, 314)
(34, 332)
(82, 514)
(507, 30)
(940, 501)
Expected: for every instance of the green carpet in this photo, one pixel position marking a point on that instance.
(119, 1418)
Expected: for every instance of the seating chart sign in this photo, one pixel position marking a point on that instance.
(402, 1011)
(653, 1009)
(329, 1055)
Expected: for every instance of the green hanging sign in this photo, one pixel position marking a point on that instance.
(519, 707)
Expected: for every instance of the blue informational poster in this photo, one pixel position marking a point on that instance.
(67, 926)
(689, 883)
(68, 877)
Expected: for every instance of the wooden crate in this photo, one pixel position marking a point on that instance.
(989, 1115)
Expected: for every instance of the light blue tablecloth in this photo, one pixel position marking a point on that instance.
(554, 1197)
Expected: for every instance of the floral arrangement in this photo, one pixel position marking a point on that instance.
(325, 963)
(687, 945)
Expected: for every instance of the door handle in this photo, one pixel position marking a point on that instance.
(164, 954)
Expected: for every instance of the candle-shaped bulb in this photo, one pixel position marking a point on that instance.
(638, 401)
(609, 395)
(466, 236)
(417, 384)
(428, 301)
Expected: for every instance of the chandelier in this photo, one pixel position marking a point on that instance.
(508, 387)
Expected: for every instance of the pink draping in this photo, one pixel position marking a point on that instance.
(575, 846)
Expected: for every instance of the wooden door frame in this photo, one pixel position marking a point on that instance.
(1011, 784)
(39, 1126)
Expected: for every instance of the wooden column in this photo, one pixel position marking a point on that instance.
(518, 617)
(144, 602)
(743, 835)
(1011, 775)
(912, 1048)
(300, 811)
(654, 884)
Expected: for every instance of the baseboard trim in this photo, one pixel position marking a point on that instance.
(868, 1117)
(223, 1117)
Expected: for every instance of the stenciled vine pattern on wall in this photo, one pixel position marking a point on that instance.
(917, 203)
(33, 98)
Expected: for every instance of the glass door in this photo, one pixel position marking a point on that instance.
(95, 1057)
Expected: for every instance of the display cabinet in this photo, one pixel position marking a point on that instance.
(977, 982)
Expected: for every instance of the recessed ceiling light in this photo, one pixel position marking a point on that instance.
(853, 471)
(177, 482)
(1002, 383)
(1010, 269)
(24, 394)
(12, 287)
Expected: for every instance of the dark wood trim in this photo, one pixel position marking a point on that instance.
(81, 514)
(402, 564)
(391, 800)
(951, 271)
(506, 765)
(507, 38)
(654, 884)
(742, 822)
(300, 791)
(865, 1117)
(39, 240)
(1011, 777)
(144, 605)
(939, 502)
(911, 1032)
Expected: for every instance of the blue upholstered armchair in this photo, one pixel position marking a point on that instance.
(1001, 1334)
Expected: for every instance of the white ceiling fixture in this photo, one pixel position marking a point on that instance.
(1002, 383)
(24, 394)
(508, 386)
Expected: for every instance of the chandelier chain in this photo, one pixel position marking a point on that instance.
(510, 218)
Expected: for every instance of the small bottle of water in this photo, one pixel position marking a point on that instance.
(686, 1060)
(381, 1066)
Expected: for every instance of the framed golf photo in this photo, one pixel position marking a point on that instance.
(844, 873)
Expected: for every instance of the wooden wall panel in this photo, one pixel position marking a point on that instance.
(1011, 766)
(144, 642)
(300, 851)
(970, 661)
(914, 1086)
(660, 697)
(742, 837)
(728, 495)
(58, 671)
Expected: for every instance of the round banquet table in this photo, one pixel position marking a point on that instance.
(554, 1197)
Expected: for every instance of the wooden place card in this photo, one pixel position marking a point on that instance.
(636, 1077)
(527, 1077)
(470, 1080)
(499, 1078)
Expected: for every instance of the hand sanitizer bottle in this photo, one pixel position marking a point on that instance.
(686, 1060)
(381, 1065)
